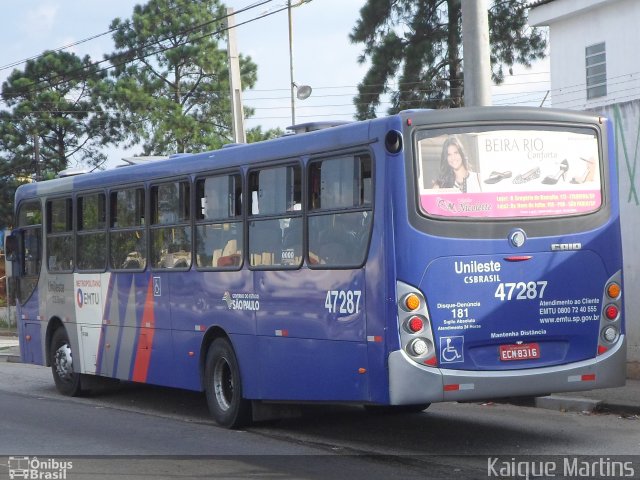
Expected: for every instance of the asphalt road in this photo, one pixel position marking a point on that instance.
(134, 431)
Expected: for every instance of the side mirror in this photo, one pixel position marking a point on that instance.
(11, 248)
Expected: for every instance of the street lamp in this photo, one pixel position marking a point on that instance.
(302, 92)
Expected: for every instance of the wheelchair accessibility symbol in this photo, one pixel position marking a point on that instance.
(451, 349)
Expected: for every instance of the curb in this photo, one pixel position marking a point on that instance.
(568, 404)
(584, 405)
(10, 358)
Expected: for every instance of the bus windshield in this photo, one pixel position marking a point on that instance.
(495, 174)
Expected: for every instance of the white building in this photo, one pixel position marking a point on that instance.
(595, 65)
(594, 47)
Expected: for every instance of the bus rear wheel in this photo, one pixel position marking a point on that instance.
(223, 386)
(66, 379)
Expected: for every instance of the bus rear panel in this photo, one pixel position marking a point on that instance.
(509, 264)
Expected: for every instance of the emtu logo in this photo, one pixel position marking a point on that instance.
(87, 298)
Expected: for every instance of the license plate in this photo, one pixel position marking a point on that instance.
(524, 351)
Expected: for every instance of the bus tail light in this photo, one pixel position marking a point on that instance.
(419, 347)
(412, 302)
(611, 312)
(414, 327)
(415, 324)
(611, 318)
(610, 334)
(613, 290)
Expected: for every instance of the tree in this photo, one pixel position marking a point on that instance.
(8, 186)
(416, 45)
(257, 135)
(55, 119)
(55, 115)
(172, 78)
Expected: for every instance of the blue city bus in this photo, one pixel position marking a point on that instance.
(429, 256)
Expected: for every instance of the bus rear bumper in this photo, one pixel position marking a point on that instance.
(411, 383)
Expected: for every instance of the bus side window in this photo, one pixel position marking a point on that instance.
(59, 235)
(31, 253)
(219, 229)
(170, 228)
(29, 250)
(91, 242)
(275, 227)
(127, 234)
(339, 222)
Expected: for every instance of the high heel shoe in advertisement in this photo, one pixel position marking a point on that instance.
(495, 177)
(527, 176)
(553, 179)
(587, 175)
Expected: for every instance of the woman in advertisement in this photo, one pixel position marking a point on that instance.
(455, 171)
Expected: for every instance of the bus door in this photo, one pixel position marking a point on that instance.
(63, 301)
(24, 254)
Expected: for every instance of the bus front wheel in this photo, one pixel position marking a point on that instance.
(223, 386)
(66, 379)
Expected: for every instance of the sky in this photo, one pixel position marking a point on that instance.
(323, 56)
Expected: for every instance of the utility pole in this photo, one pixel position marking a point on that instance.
(235, 83)
(36, 157)
(475, 58)
(292, 86)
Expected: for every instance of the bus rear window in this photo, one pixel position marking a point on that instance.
(508, 173)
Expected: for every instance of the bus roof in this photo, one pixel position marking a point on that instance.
(288, 146)
(311, 142)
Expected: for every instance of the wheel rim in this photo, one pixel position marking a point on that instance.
(223, 384)
(64, 363)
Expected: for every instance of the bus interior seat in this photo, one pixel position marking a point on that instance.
(265, 242)
(229, 256)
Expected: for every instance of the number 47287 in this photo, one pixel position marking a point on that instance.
(343, 301)
(521, 290)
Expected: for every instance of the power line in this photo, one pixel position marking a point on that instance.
(158, 42)
(512, 98)
(59, 49)
(87, 68)
(88, 39)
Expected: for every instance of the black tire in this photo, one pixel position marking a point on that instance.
(223, 386)
(396, 409)
(67, 380)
